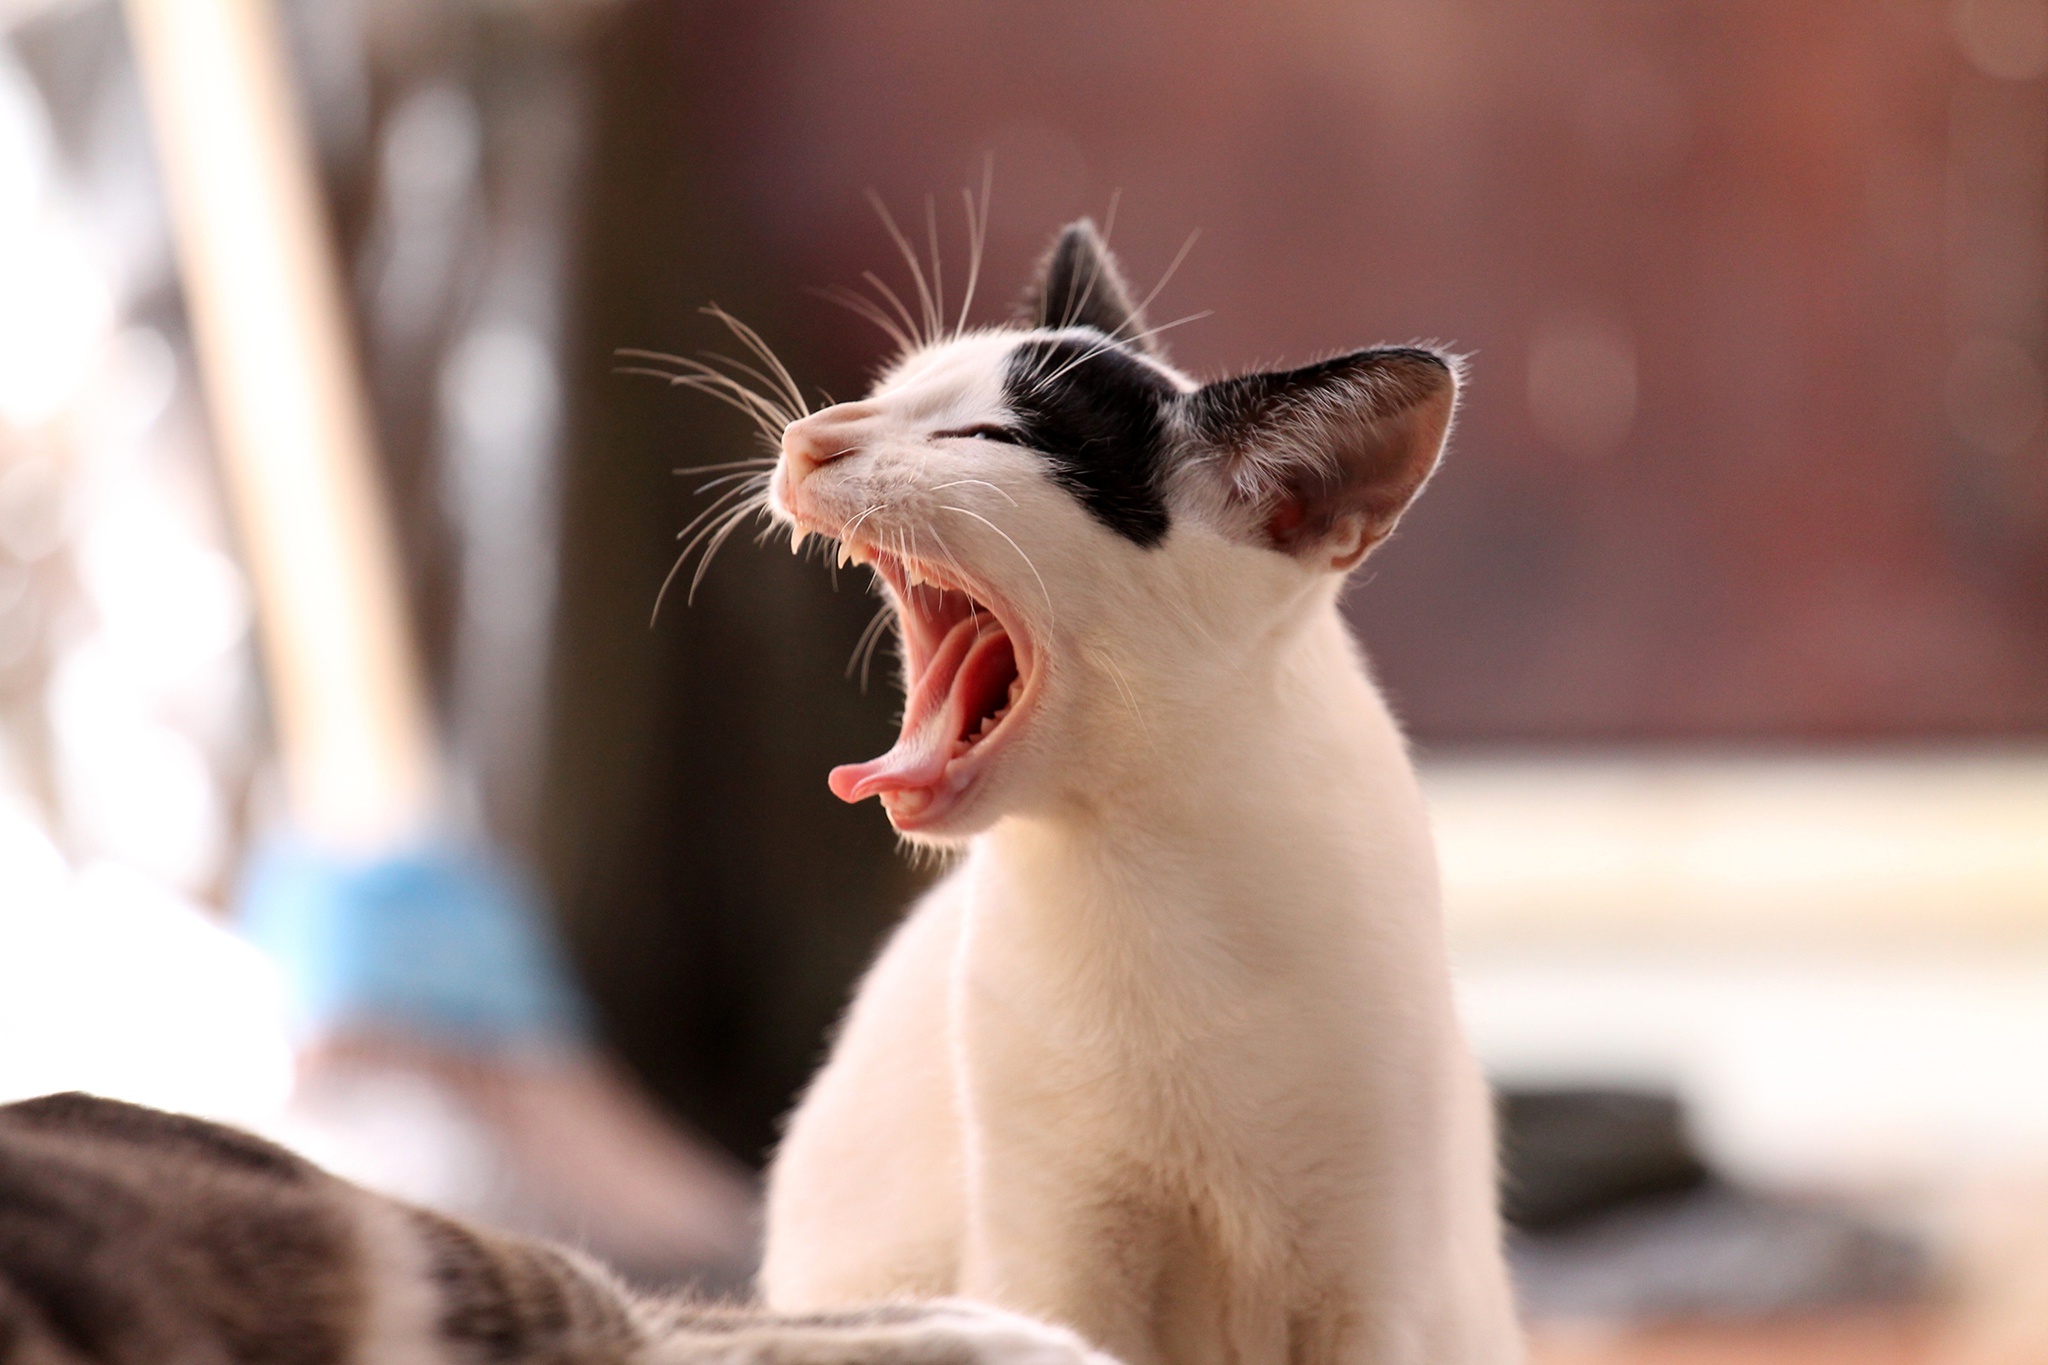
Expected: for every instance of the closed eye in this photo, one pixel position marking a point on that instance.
(987, 431)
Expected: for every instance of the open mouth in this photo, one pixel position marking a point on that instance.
(966, 680)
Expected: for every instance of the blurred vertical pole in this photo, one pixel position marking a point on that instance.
(290, 419)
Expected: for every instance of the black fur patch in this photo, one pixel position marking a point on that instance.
(1098, 415)
(1081, 285)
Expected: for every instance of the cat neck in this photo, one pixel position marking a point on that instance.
(1291, 785)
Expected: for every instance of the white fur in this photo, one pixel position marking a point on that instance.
(1170, 1056)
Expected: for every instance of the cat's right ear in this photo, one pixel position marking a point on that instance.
(1321, 461)
(1079, 284)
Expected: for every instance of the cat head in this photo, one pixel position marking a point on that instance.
(1090, 554)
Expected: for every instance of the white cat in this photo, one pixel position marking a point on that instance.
(1170, 1057)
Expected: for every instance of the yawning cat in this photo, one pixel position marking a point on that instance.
(1170, 1056)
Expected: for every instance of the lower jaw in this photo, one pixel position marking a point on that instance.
(918, 810)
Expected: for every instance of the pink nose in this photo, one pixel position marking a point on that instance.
(818, 439)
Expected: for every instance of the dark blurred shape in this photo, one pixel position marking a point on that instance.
(1716, 1252)
(718, 898)
(1569, 1154)
(1617, 1217)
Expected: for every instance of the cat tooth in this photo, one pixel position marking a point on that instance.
(910, 800)
(796, 539)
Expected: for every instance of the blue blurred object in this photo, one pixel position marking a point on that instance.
(437, 943)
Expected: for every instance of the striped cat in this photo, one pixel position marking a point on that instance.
(129, 1236)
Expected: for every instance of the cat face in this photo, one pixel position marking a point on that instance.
(1089, 553)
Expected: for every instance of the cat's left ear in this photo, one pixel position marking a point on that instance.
(1321, 461)
(1079, 284)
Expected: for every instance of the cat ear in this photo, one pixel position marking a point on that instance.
(1080, 285)
(1320, 462)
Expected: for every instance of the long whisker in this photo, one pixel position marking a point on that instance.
(732, 524)
(866, 308)
(931, 233)
(698, 369)
(755, 463)
(1097, 265)
(800, 410)
(854, 525)
(718, 506)
(867, 660)
(977, 235)
(764, 425)
(751, 339)
(1045, 381)
(767, 414)
(1178, 257)
(736, 515)
(924, 293)
(697, 372)
(863, 648)
(983, 482)
(1051, 615)
(1123, 685)
(902, 311)
(723, 503)
(709, 484)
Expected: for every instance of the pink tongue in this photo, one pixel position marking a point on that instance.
(919, 757)
(917, 761)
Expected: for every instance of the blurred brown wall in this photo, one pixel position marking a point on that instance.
(1772, 214)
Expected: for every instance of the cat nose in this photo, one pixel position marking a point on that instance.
(815, 440)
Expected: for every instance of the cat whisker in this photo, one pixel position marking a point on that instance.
(731, 524)
(799, 410)
(754, 463)
(1178, 256)
(977, 236)
(710, 484)
(931, 232)
(1045, 381)
(867, 309)
(696, 372)
(902, 310)
(956, 483)
(722, 501)
(1123, 685)
(1077, 306)
(709, 525)
(870, 637)
(930, 331)
(1050, 613)
(765, 413)
(846, 535)
(752, 340)
(709, 528)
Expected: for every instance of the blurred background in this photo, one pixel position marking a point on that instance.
(1722, 635)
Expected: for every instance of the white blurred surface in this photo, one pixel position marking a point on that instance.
(1839, 961)
(111, 982)
(1833, 852)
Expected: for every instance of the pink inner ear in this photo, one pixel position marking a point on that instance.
(1284, 520)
